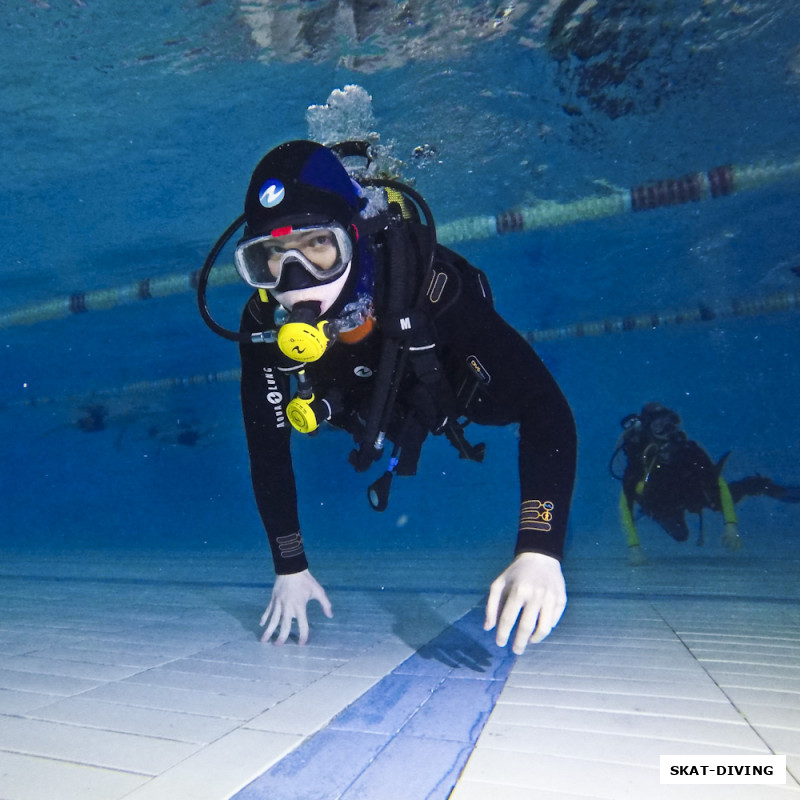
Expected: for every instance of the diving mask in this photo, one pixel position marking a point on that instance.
(321, 252)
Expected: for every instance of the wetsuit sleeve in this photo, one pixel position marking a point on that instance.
(516, 388)
(726, 502)
(264, 395)
(547, 452)
(626, 516)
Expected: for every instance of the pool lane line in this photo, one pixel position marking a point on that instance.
(410, 735)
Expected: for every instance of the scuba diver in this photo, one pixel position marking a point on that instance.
(392, 337)
(667, 474)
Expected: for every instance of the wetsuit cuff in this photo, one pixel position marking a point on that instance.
(537, 529)
(558, 556)
(291, 566)
(288, 554)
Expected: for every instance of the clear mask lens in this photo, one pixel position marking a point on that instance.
(323, 251)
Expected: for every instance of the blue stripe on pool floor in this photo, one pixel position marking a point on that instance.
(409, 737)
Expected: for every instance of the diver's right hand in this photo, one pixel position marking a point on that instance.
(290, 596)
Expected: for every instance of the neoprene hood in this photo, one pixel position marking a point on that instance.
(297, 184)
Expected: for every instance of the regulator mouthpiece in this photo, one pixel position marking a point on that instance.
(303, 337)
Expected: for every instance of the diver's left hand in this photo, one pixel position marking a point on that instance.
(531, 588)
(730, 536)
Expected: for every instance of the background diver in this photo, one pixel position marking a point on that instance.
(391, 337)
(667, 474)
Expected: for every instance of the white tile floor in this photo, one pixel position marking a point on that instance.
(140, 676)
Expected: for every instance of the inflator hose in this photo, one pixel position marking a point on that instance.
(393, 358)
(391, 355)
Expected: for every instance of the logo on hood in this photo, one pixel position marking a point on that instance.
(271, 193)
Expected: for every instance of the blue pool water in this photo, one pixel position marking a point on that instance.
(130, 131)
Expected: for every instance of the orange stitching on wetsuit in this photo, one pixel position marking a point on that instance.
(536, 515)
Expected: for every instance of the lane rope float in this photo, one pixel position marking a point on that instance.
(777, 302)
(694, 187)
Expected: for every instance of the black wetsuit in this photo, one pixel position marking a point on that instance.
(668, 479)
(472, 340)
(675, 475)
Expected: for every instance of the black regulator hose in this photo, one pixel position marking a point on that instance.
(202, 285)
(611, 464)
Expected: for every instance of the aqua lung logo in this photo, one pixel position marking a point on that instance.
(271, 193)
(275, 398)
